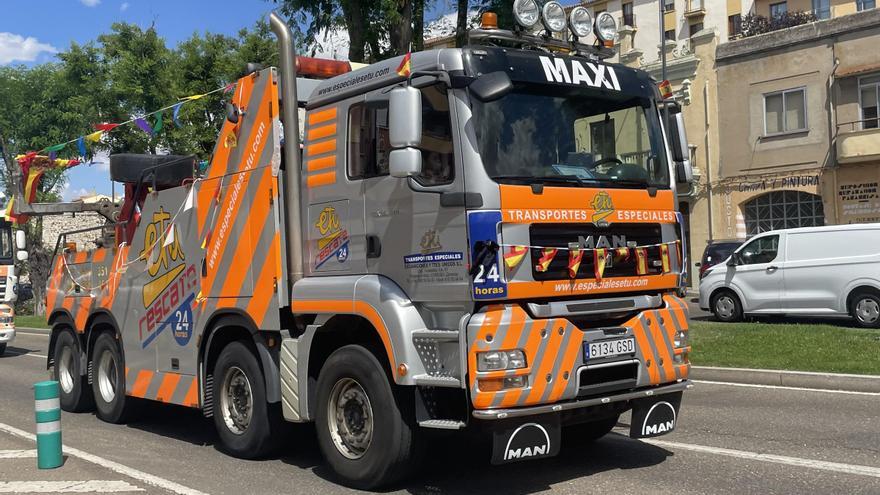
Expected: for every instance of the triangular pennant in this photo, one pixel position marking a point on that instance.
(106, 127)
(621, 254)
(193, 97)
(81, 145)
(229, 87)
(599, 258)
(664, 258)
(95, 136)
(176, 113)
(547, 255)
(574, 261)
(52, 156)
(56, 147)
(641, 261)
(514, 256)
(169, 236)
(143, 125)
(158, 125)
(190, 199)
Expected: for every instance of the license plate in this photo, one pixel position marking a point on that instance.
(608, 348)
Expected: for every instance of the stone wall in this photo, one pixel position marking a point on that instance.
(54, 225)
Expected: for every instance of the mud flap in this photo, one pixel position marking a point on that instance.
(654, 416)
(532, 438)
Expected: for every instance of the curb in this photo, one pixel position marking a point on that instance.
(801, 379)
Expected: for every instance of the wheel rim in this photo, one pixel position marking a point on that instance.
(107, 376)
(867, 310)
(236, 400)
(350, 418)
(724, 307)
(65, 370)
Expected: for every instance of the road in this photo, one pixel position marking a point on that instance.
(730, 439)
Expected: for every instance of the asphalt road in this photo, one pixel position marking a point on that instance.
(730, 439)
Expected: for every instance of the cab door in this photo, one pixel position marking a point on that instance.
(757, 274)
(414, 227)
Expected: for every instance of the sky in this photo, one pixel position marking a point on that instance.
(33, 31)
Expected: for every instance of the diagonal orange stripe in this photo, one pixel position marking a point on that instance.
(551, 354)
(322, 179)
(322, 116)
(321, 147)
(54, 286)
(264, 285)
(647, 352)
(322, 131)
(660, 342)
(82, 313)
(192, 397)
(168, 386)
(569, 354)
(141, 383)
(321, 163)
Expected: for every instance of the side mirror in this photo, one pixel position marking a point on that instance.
(25, 292)
(19, 239)
(405, 162)
(21, 255)
(491, 86)
(232, 113)
(678, 144)
(698, 264)
(405, 117)
(733, 260)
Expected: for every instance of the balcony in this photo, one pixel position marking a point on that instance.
(858, 141)
(695, 8)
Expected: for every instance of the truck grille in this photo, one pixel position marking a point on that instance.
(560, 235)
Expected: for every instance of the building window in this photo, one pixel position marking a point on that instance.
(628, 19)
(734, 25)
(822, 9)
(696, 28)
(778, 9)
(869, 101)
(783, 210)
(785, 111)
(669, 35)
(865, 4)
(602, 139)
(668, 5)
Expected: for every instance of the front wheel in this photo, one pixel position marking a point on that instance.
(2, 349)
(366, 428)
(726, 307)
(865, 310)
(108, 381)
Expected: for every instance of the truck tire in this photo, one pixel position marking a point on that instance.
(2, 349)
(127, 168)
(865, 309)
(584, 433)
(726, 307)
(75, 394)
(246, 423)
(366, 428)
(108, 381)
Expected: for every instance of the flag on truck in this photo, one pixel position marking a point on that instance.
(574, 261)
(515, 256)
(664, 257)
(405, 67)
(599, 256)
(641, 261)
(547, 255)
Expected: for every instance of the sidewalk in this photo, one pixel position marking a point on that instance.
(801, 379)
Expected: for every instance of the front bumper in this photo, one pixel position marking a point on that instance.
(7, 335)
(580, 404)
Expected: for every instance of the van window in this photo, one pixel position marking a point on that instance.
(834, 244)
(368, 145)
(761, 250)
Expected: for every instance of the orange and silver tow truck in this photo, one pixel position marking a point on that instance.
(483, 238)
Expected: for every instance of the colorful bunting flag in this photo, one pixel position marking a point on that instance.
(514, 256)
(664, 258)
(229, 87)
(81, 145)
(405, 67)
(190, 199)
(169, 236)
(52, 156)
(158, 125)
(106, 127)
(641, 261)
(176, 114)
(56, 147)
(143, 125)
(574, 261)
(599, 259)
(95, 136)
(621, 254)
(547, 255)
(193, 97)
(230, 141)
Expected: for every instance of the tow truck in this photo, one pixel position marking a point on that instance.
(475, 239)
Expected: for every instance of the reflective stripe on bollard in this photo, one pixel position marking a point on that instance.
(47, 409)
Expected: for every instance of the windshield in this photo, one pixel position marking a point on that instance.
(578, 137)
(5, 242)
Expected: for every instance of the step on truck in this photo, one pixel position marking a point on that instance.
(478, 239)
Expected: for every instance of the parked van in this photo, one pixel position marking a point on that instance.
(812, 271)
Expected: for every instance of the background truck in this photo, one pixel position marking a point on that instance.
(11, 249)
(481, 238)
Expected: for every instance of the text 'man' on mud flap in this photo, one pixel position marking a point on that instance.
(533, 438)
(654, 416)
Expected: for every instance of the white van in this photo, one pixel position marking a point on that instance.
(812, 271)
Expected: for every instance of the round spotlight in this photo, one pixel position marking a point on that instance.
(526, 13)
(580, 22)
(606, 28)
(554, 16)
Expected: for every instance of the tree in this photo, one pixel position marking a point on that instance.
(461, 24)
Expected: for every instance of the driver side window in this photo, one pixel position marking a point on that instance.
(761, 250)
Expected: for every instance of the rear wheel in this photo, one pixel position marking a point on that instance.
(592, 431)
(108, 381)
(366, 428)
(246, 424)
(2, 349)
(75, 394)
(865, 309)
(726, 307)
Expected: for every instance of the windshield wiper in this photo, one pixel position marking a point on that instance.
(533, 179)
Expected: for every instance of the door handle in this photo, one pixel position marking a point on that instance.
(771, 269)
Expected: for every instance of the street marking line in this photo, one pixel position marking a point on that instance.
(91, 486)
(777, 459)
(41, 334)
(783, 387)
(28, 354)
(787, 372)
(113, 466)
(17, 454)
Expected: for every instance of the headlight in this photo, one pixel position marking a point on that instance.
(554, 16)
(501, 360)
(580, 22)
(681, 339)
(606, 28)
(526, 13)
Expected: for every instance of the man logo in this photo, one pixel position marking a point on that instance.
(659, 420)
(529, 440)
(602, 207)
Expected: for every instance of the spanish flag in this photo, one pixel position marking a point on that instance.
(641, 261)
(547, 255)
(664, 257)
(665, 89)
(405, 67)
(621, 254)
(515, 256)
(574, 262)
(599, 263)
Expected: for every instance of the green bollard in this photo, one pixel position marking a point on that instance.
(48, 415)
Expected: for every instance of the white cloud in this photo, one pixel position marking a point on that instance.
(90, 3)
(17, 47)
(70, 194)
(123, 7)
